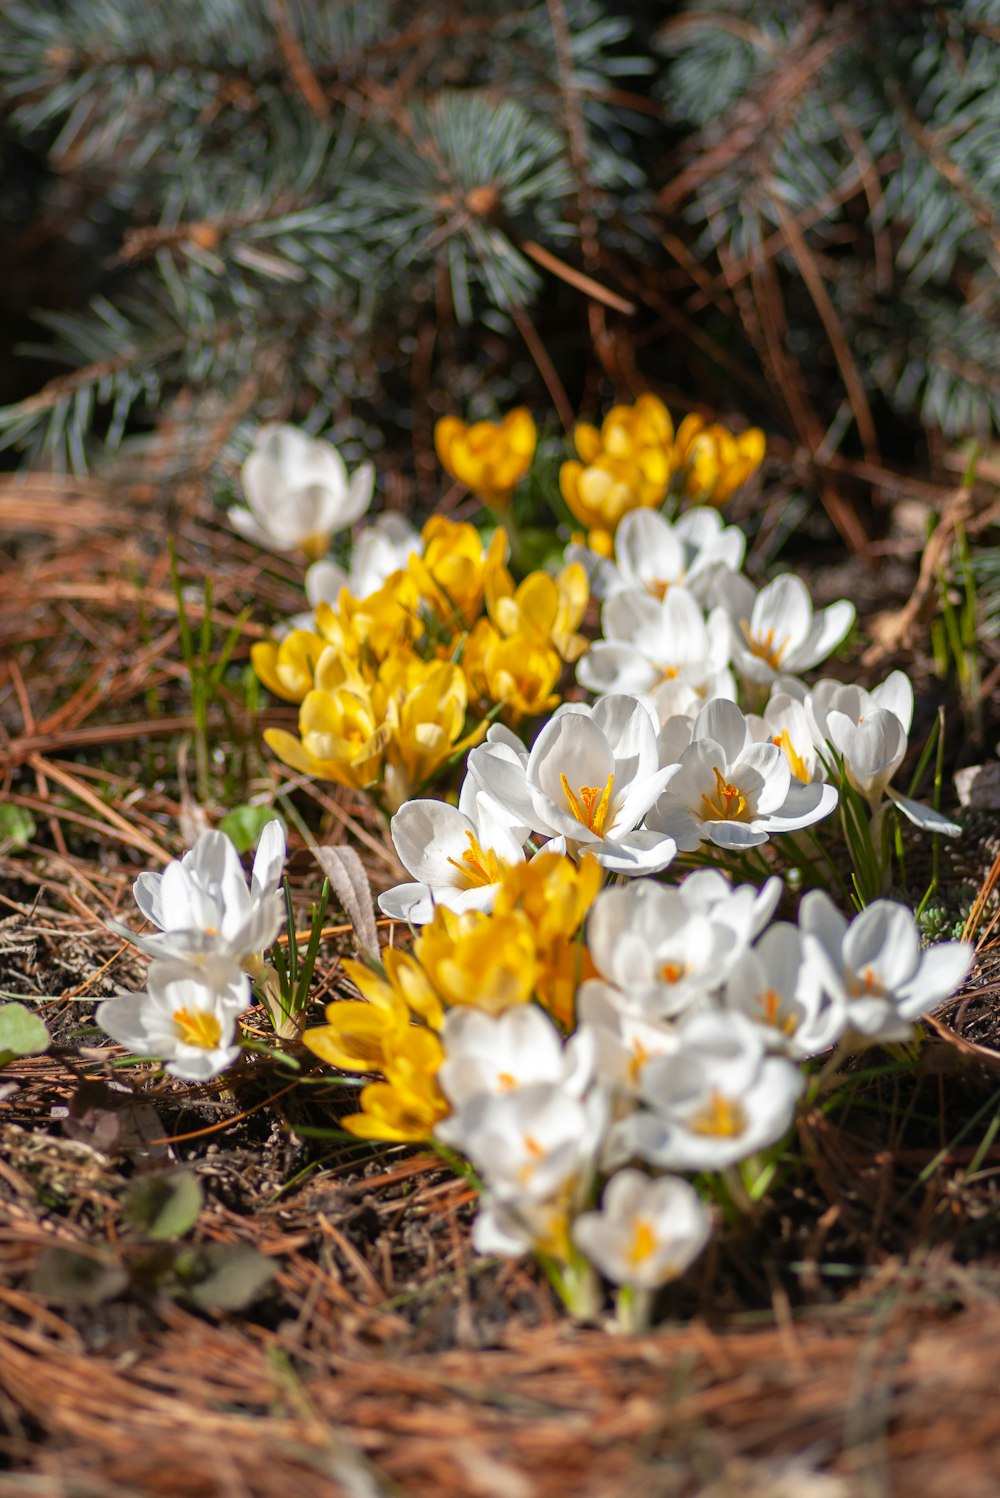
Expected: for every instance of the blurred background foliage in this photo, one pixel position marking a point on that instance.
(360, 214)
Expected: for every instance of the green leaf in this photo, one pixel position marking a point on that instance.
(244, 824)
(17, 826)
(69, 1278)
(22, 1033)
(163, 1206)
(224, 1276)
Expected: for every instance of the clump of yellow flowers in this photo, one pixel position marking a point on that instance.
(393, 685)
(634, 460)
(527, 947)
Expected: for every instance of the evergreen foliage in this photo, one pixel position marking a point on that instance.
(294, 190)
(878, 128)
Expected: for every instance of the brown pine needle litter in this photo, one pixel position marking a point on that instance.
(843, 1342)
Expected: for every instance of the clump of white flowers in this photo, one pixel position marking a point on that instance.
(214, 932)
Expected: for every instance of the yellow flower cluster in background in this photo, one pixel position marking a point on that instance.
(712, 462)
(634, 459)
(489, 457)
(527, 947)
(624, 465)
(391, 686)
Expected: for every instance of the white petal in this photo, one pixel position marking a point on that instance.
(923, 816)
(828, 628)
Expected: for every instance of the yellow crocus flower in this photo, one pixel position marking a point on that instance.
(288, 667)
(489, 457)
(542, 607)
(357, 1036)
(449, 574)
(520, 673)
(713, 461)
(404, 1110)
(341, 739)
(480, 959)
(425, 722)
(555, 894)
(625, 465)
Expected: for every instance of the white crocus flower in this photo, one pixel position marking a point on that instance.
(298, 492)
(775, 631)
(733, 792)
(775, 987)
(496, 1054)
(660, 954)
(506, 1228)
(457, 854)
(203, 907)
(662, 648)
(382, 549)
(622, 1037)
(646, 1232)
(786, 723)
(653, 555)
(870, 730)
(714, 1101)
(187, 1017)
(532, 1144)
(589, 780)
(875, 968)
(745, 909)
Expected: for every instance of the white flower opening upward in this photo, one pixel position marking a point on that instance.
(712, 1101)
(186, 1017)
(589, 780)
(664, 648)
(457, 855)
(646, 1232)
(776, 631)
(874, 969)
(655, 951)
(203, 907)
(653, 555)
(731, 791)
(298, 492)
(777, 988)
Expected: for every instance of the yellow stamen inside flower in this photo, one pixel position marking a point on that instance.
(637, 1061)
(315, 546)
(643, 1241)
(770, 1003)
(478, 866)
(729, 804)
(796, 763)
(589, 804)
(198, 1027)
(866, 986)
(507, 1081)
(535, 1153)
(721, 1118)
(672, 972)
(764, 648)
(659, 586)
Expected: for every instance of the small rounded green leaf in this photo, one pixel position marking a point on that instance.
(17, 826)
(163, 1206)
(22, 1033)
